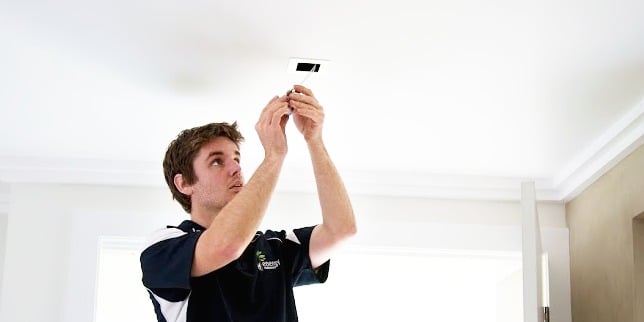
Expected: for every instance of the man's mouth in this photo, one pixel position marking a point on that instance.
(236, 186)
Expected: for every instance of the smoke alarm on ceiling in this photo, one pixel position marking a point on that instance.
(307, 65)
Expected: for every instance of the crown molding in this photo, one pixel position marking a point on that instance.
(403, 184)
(611, 147)
(425, 185)
(622, 138)
(79, 171)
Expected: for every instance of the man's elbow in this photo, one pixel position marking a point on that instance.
(229, 249)
(340, 230)
(352, 230)
(209, 258)
(231, 252)
(347, 231)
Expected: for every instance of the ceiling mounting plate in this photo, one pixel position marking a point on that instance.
(308, 65)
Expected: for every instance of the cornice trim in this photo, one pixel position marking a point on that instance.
(622, 138)
(617, 142)
(403, 184)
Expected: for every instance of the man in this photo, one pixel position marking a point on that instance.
(217, 266)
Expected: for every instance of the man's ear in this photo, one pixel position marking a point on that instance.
(182, 185)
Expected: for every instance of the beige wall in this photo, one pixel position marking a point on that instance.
(638, 282)
(602, 244)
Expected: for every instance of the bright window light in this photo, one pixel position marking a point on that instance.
(365, 284)
(120, 295)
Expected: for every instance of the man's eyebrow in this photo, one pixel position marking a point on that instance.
(214, 153)
(220, 153)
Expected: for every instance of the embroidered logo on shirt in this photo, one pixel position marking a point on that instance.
(263, 264)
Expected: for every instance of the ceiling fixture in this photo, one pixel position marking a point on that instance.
(307, 65)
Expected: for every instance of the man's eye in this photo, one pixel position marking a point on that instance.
(216, 162)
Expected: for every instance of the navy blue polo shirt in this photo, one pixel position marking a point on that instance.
(258, 286)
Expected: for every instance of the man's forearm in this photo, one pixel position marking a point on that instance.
(241, 217)
(337, 212)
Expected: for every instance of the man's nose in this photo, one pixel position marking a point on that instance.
(234, 169)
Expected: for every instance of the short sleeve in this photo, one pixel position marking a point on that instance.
(167, 263)
(297, 247)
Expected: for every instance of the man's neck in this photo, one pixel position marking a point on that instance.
(202, 217)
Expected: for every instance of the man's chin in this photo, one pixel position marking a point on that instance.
(236, 189)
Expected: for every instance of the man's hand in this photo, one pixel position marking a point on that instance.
(307, 112)
(271, 127)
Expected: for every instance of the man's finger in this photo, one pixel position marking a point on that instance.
(304, 90)
(276, 117)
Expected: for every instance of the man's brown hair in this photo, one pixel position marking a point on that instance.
(183, 150)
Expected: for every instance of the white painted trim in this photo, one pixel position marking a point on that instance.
(622, 138)
(610, 148)
(531, 251)
(80, 171)
(129, 173)
(413, 184)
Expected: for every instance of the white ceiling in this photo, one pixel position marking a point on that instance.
(459, 98)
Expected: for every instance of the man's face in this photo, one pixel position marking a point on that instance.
(218, 175)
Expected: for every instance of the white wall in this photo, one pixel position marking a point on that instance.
(53, 232)
(3, 243)
(4, 209)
